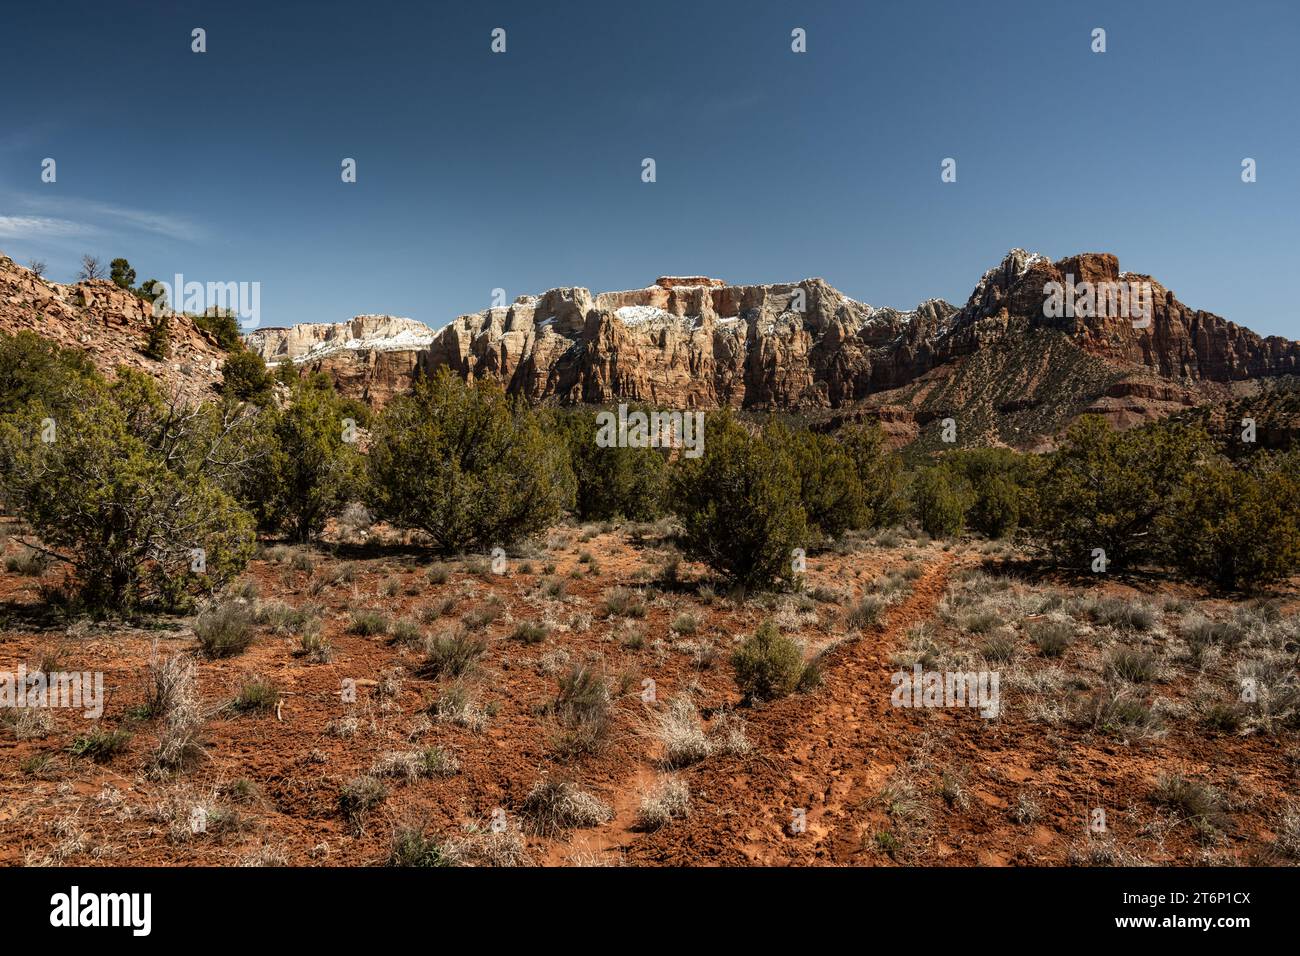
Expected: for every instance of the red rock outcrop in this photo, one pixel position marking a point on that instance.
(111, 325)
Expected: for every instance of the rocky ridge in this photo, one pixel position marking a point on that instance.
(698, 342)
(111, 324)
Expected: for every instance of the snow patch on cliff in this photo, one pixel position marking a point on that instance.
(405, 341)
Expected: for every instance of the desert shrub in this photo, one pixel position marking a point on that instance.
(282, 618)
(412, 847)
(255, 696)
(172, 697)
(739, 505)
(37, 375)
(681, 733)
(122, 493)
(28, 562)
(865, 612)
(1131, 664)
(457, 462)
(359, 796)
(458, 704)
(244, 377)
(406, 632)
(369, 623)
(611, 482)
(1052, 638)
(768, 664)
(880, 474)
(584, 711)
(413, 764)
(1107, 489)
(1224, 718)
(998, 650)
(999, 481)
(686, 623)
(225, 630)
(480, 617)
(1115, 711)
(1235, 527)
(312, 644)
(100, 745)
(1195, 801)
(530, 632)
(1120, 612)
(453, 654)
(980, 620)
(311, 471)
(170, 682)
(829, 488)
(685, 740)
(624, 602)
(1201, 632)
(940, 499)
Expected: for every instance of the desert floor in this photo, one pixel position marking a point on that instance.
(1118, 694)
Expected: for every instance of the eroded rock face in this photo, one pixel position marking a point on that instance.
(698, 342)
(1177, 342)
(111, 325)
(1001, 362)
(689, 342)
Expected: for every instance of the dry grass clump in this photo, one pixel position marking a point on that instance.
(483, 615)
(670, 800)
(173, 699)
(583, 709)
(1202, 805)
(684, 739)
(1135, 665)
(414, 764)
(458, 704)
(495, 846)
(452, 654)
(225, 631)
(358, 797)
(1051, 637)
(556, 806)
(623, 602)
(1116, 711)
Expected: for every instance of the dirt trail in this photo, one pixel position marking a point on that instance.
(825, 754)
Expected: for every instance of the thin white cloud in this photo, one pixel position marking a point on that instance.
(41, 227)
(97, 216)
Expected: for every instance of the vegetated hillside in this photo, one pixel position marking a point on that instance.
(1004, 369)
(111, 325)
(1273, 405)
(1021, 391)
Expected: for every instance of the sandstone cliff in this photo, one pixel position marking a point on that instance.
(1013, 372)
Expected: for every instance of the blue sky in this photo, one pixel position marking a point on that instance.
(523, 170)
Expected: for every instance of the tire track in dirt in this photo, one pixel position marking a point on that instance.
(825, 753)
